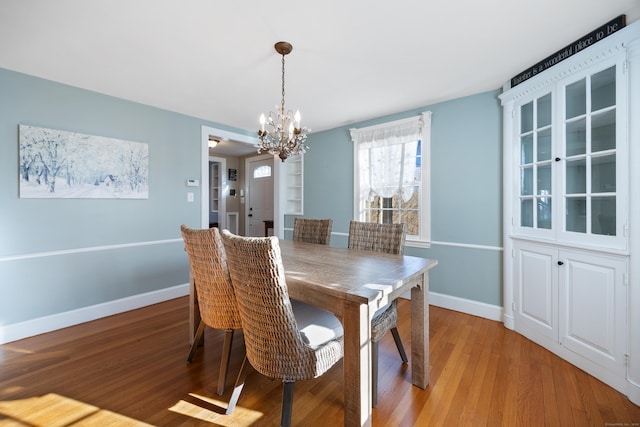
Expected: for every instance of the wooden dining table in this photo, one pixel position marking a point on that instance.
(354, 284)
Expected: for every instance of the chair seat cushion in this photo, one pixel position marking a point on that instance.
(317, 326)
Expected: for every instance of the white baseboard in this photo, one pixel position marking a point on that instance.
(475, 308)
(45, 324)
(509, 322)
(633, 392)
(54, 322)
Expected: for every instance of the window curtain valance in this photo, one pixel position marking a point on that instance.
(389, 156)
(391, 133)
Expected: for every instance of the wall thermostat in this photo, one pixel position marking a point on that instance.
(193, 183)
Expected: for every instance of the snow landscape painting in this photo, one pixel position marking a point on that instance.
(61, 164)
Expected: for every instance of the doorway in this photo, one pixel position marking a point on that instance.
(246, 141)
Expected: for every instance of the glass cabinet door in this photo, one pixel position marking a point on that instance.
(590, 154)
(536, 163)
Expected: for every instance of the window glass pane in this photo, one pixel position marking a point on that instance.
(603, 131)
(544, 180)
(576, 176)
(373, 210)
(576, 214)
(526, 117)
(544, 212)
(603, 89)
(544, 145)
(408, 213)
(369, 216)
(544, 111)
(576, 137)
(603, 215)
(603, 174)
(387, 213)
(526, 181)
(417, 176)
(526, 212)
(576, 99)
(262, 171)
(526, 149)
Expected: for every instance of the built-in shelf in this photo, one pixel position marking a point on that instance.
(294, 177)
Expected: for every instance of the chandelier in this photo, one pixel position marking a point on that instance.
(280, 132)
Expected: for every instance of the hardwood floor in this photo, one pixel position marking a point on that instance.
(131, 367)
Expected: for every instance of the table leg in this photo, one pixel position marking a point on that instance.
(420, 333)
(357, 365)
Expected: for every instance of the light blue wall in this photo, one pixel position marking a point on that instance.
(39, 278)
(37, 275)
(466, 192)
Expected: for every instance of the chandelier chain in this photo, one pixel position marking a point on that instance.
(283, 83)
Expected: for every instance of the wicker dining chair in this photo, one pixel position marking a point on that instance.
(216, 300)
(284, 338)
(312, 230)
(387, 238)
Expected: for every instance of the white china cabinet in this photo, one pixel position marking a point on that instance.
(572, 210)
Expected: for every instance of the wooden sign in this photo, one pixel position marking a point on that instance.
(570, 50)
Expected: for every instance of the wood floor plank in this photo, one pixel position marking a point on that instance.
(474, 413)
(438, 407)
(551, 399)
(500, 397)
(132, 366)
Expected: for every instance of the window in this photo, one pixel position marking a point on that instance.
(263, 171)
(391, 174)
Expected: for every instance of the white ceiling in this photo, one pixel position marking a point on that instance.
(352, 60)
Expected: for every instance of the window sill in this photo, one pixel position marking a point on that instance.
(417, 243)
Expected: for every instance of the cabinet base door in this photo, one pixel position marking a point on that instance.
(536, 293)
(593, 302)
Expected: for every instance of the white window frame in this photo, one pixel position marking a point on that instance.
(424, 239)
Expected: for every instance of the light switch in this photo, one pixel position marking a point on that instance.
(190, 197)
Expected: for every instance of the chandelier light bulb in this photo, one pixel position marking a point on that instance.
(262, 122)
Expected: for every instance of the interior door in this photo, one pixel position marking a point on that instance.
(259, 196)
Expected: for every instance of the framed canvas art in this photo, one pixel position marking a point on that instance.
(62, 164)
